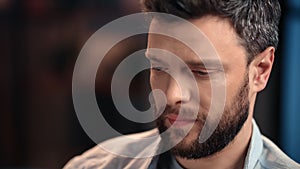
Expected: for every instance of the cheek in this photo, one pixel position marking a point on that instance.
(234, 85)
(231, 88)
(205, 96)
(213, 95)
(158, 82)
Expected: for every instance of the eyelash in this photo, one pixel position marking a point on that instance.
(159, 69)
(201, 73)
(196, 72)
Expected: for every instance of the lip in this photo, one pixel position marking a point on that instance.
(179, 122)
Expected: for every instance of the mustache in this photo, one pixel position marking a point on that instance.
(190, 113)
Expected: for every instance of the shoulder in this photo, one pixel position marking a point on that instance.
(98, 157)
(92, 158)
(273, 157)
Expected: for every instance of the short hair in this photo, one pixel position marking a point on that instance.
(255, 21)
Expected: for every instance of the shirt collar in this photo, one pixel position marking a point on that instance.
(255, 148)
(254, 151)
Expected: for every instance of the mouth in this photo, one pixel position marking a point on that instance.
(176, 121)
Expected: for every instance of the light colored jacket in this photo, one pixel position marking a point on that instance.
(262, 154)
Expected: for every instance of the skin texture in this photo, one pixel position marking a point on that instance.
(239, 78)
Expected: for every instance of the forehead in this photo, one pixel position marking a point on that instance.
(176, 47)
(218, 35)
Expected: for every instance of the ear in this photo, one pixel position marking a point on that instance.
(261, 67)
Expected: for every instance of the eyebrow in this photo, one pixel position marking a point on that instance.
(152, 57)
(205, 63)
(193, 62)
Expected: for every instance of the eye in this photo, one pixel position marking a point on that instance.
(159, 69)
(204, 73)
(200, 73)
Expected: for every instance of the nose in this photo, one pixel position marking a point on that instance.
(176, 94)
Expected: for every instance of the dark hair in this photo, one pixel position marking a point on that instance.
(255, 21)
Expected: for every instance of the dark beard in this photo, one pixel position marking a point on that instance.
(232, 121)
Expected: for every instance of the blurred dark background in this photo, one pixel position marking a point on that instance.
(39, 43)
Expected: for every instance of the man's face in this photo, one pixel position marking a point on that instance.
(233, 59)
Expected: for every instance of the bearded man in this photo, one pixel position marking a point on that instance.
(244, 34)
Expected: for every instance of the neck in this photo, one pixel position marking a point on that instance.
(232, 156)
